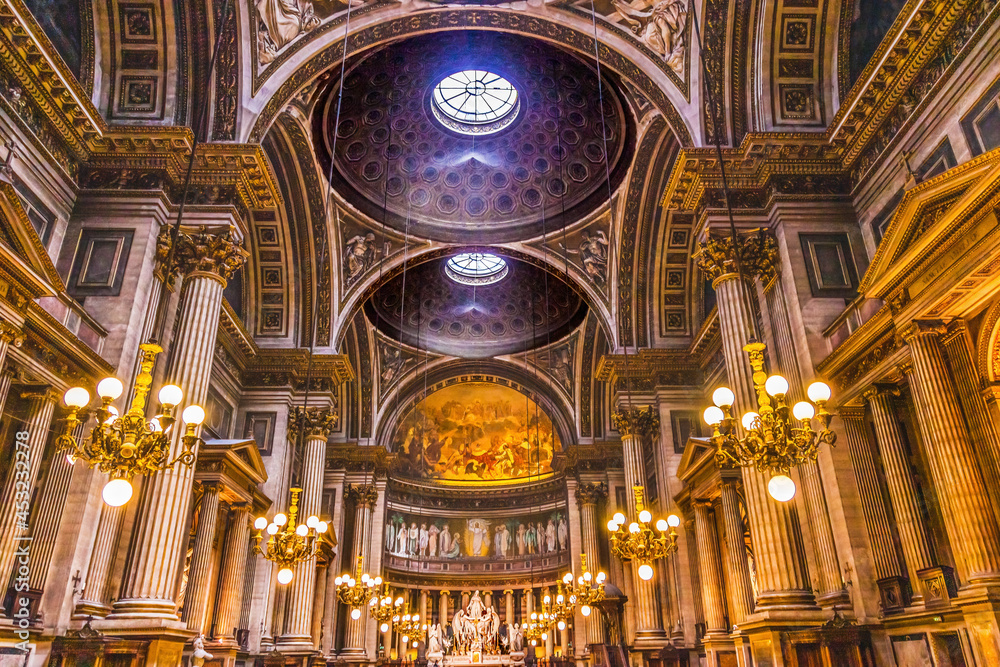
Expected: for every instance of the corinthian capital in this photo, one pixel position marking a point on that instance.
(591, 494)
(758, 255)
(11, 334)
(642, 422)
(201, 251)
(362, 494)
(316, 422)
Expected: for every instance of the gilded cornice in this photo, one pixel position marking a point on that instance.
(594, 457)
(31, 250)
(649, 369)
(921, 48)
(871, 344)
(57, 350)
(374, 461)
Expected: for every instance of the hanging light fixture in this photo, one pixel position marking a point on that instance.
(774, 438)
(124, 446)
(587, 590)
(408, 625)
(288, 543)
(357, 591)
(540, 623)
(638, 542)
(382, 608)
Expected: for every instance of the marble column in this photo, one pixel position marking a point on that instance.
(465, 599)
(315, 426)
(783, 581)
(232, 573)
(364, 497)
(885, 557)
(150, 583)
(738, 570)
(635, 426)
(550, 635)
(914, 537)
(21, 480)
(968, 515)
(424, 618)
(508, 597)
(47, 514)
(588, 496)
(710, 571)
(96, 599)
(443, 609)
(9, 333)
(200, 572)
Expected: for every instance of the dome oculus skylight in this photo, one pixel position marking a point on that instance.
(475, 101)
(476, 268)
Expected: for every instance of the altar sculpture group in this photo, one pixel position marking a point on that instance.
(510, 539)
(475, 629)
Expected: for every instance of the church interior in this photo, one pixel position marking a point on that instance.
(500, 333)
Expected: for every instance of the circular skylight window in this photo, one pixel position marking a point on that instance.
(476, 268)
(475, 101)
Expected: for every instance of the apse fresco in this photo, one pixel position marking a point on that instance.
(476, 432)
(498, 538)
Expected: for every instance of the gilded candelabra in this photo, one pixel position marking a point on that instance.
(357, 591)
(288, 543)
(638, 541)
(538, 627)
(587, 590)
(124, 446)
(771, 442)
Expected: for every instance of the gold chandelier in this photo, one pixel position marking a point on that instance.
(129, 445)
(537, 628)
(771, 441)
(357, 591)
(587, 590)
(638, 542)
(408, 625)
(288, 543)
(562, 607)
(382, 608)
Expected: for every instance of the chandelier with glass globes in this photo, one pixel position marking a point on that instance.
(587, 590)
(358, 590)
(288, 543)
(408, 626)
(538, 626)
(775, 438)
(382, 608)
(123, 446)
(638, 541)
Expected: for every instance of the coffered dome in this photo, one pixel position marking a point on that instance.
(452, 131)
(526, 308)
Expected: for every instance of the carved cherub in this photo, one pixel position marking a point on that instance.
(661, 28)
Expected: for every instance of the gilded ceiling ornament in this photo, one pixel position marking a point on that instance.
(315, 421)
(362, 494)
(201, 251)
(758, 256)
(641, 422)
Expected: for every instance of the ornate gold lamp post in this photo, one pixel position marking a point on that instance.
(638, 542)
(124, 446)
(775, 438)
(587, 590)
(357, 591)
(288, 543)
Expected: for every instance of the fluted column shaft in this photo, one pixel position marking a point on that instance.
(710, 569)
(913, 535)
(508, 599)
(8, 334)
(150, 586)
(968, 515)
(48, 514)
(96, 597)
(587, 497)
(782, 578)
(317, 425)
(364, 498)
(740, 585)
(233, 572)
(200, 572)
(884, 555)
(635, 425)
(14, 519)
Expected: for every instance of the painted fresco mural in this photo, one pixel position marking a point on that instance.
(498, 538)
(476, 432)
